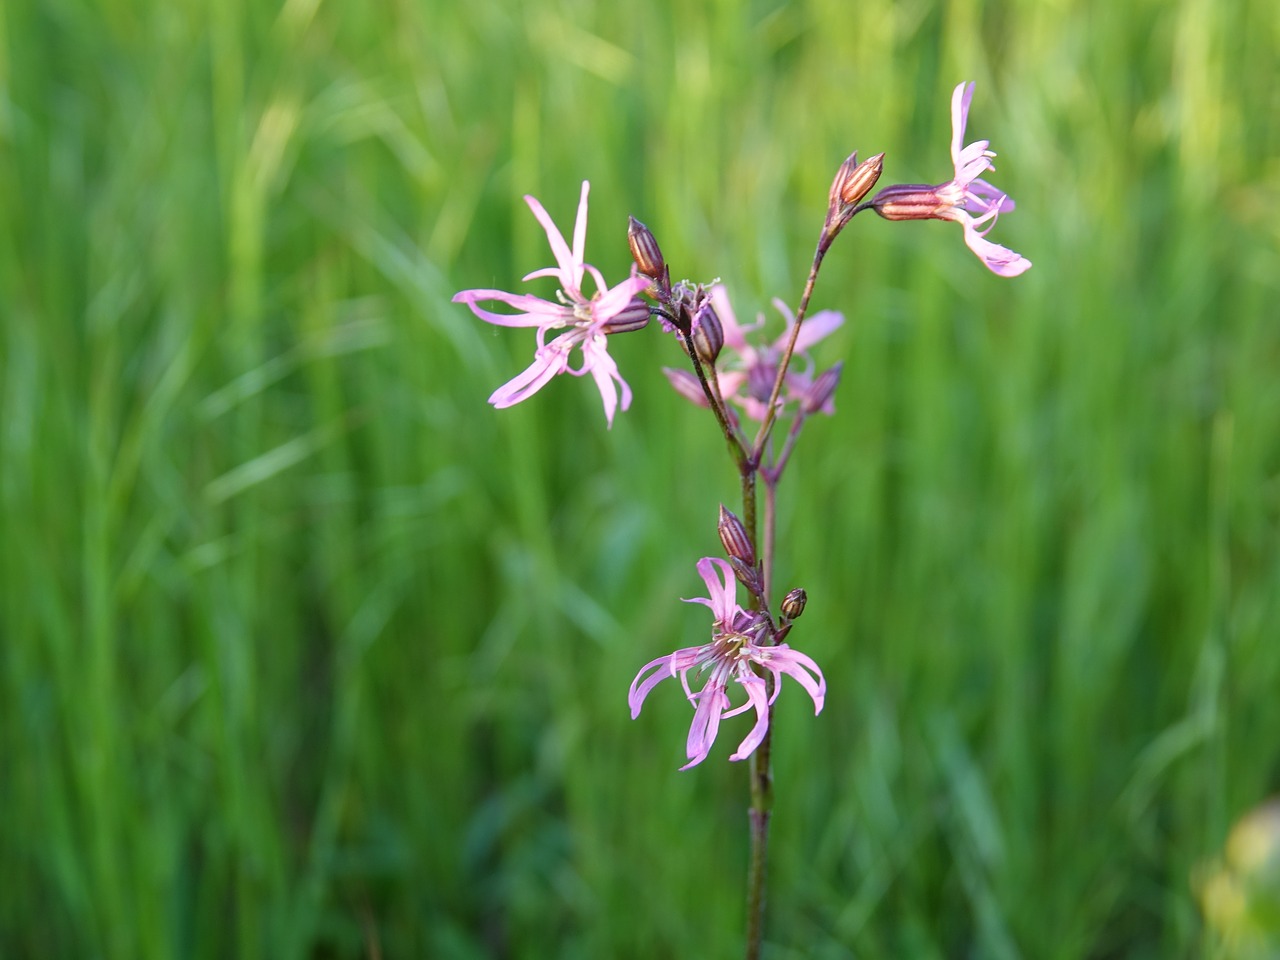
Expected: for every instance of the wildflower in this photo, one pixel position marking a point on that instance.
(966, 199)
(748, 376)
(589, 319)
(735, 646)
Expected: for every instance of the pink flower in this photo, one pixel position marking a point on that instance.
(734, 647)
(966, 199)
(589, 320)
(748, 372)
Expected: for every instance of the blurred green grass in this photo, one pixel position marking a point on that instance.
(308, 652)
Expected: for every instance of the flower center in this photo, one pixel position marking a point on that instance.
(728, 647)
(582, 309)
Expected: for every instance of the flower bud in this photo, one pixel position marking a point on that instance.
(818, 396)
(707, 334)
(793, 603)
(859, 181)
(852, 182)
(634, 316)
(645, 250)
(842, 177)
(747, 575)
(733, 534)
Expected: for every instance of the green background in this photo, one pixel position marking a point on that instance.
(308, 652)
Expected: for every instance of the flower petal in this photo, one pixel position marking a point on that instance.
(782, 659)
(757, 698)
(687, 385)
(640, 689)
(570, 266)
(724, 596)
(999, 260)
(821, 324)
(580, 233)
(612, 301)
(733, 331)
(547, 362)
(960, 98)
(731, 381)
(706, 722)
(603, 369)
(982, 197)
(538, 312)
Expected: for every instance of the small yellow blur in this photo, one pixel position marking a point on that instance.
(1240, 892)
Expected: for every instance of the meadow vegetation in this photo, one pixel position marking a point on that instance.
(308, 652)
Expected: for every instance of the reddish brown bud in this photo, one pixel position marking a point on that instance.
(645, 249)
(861, 179)
(853, 181)
(733, 534)
(793, 603)
(842, 177)
(910, 201)
(707, 334)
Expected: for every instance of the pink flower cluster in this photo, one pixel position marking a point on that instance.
(746, 372)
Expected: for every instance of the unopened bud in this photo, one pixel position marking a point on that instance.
(634, 316)
(733, 534)
(818, 396)
(645, 249)
(852, 182)
(707, 334)
(861, 179)
(842, 177)
(793, 603)
(747, 575)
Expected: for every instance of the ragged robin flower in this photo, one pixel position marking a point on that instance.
(587, 321)
(966, 198)
(737, 643)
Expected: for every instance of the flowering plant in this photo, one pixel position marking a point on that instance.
(750, 385)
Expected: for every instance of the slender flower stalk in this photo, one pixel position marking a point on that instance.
(587, 321)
